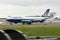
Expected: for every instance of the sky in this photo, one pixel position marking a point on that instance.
(28, 7)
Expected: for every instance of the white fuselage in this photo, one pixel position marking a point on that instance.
(28, 18)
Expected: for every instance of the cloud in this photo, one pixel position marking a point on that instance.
(27, 7)
(30, 2)
(16, 10)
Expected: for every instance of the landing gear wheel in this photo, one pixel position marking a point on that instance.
(23, 23)
(11, 23)
(29, 23)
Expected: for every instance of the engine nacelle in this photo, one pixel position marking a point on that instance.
(26, 21)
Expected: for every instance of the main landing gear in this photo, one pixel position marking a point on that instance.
(28, 23)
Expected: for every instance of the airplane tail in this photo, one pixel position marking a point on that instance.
(46, 13)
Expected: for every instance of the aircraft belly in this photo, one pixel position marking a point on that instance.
(13, 20)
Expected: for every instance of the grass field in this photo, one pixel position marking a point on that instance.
(35, 29)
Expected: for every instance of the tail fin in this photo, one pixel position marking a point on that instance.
(46, 13)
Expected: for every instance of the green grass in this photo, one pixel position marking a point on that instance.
(35, 29)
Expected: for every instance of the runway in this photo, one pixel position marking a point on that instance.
(45, 39)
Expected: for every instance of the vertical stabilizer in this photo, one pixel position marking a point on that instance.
(46, 13)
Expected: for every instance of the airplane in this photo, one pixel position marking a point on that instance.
(29, 20)
(57, 18)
